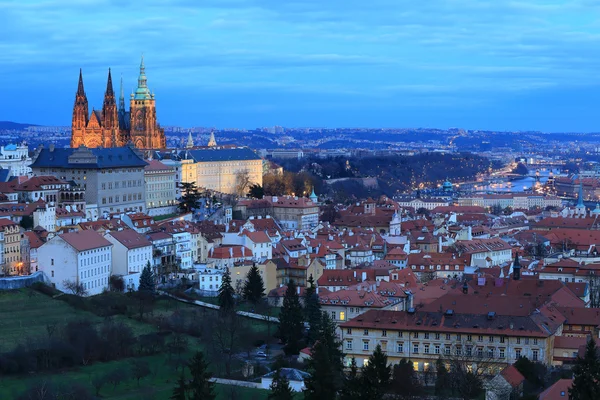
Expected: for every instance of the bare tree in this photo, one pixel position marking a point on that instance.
(74, 288)
(242, 182)
(469, 363)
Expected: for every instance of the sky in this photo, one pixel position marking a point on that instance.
(471, 64)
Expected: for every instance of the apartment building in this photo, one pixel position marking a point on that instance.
(11, 232)
(161, 188)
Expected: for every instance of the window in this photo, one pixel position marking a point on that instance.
(365, 345)
(52, 263)
(426, 335)
(400, 347)
(349, 331)
(400, 334)
(416, 335)
(384, 333)
(416, 348)
(518, 340)
(469, 338)
(480, 352)
(447, 336)
(501, 339)
(342, 316)
(469, 351)
(458, 350)
(517, 353)
(349, 345)
(333, 315)
(535, 341)
(447, 350)
(535, 354)
(53, 273)
(458, 337)
(501, 352)
(437, 349)
(480, 338)
(526, 340)
(366, 332)
(426, 349)
(490, 352)
(437, 336)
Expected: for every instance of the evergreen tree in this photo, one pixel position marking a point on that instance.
(442, 381)
(376, 375)
(586, 374)
(256, 191)
(180, 391)
(254, 287)
(190, 197)
(147, 283)
(404, 380)
(325, 365)
(226, 293)
(200, 386)
(291, 322)
(352, 389)
(280, 388)
(312, 310)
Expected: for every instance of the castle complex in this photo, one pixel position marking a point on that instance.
(113, 126)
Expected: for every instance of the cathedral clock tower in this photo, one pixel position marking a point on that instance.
(145, 133)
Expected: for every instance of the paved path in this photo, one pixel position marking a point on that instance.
(253, 385)
(215, 307)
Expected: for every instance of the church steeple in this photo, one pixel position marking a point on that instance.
(212, 141)
(109, 87)
(122, 98)
(142, 92)
(80, 90)
(516, 268)
(190, 141)
(110, 118)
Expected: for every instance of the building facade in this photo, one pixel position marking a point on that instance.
(16, 159)
(82, 257)
(113, 126)
(113, 179)
(161, 188)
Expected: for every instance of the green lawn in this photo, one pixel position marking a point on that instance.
(162, 217)
(27, 313)
(157, 386)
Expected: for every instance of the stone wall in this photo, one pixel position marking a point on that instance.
(19, 282)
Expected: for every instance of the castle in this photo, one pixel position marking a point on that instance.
(113, 126)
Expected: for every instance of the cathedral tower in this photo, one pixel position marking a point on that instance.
(110, 117)
(80, 114)
(145, 132)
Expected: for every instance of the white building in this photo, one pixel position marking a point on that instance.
(294, 376)
(209, 280)
(131, 252)
(161, 188)
(82, 257)
(16, 159)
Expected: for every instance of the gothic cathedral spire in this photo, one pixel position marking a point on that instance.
(80, 114)
(80, 90)
(122, 98)
(110, 117)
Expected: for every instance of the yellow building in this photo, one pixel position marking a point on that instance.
(268, 272)
(11, 232)
(225, 170)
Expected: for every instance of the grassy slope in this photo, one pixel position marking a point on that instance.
(26, 313)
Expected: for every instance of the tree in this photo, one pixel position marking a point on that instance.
(326, 364)
(312, 310)
(139, 370)
(74, 288)
(147, 284)
(496, 209)
(254, 287)
(200, 386)
(353, 387)
(26, 222)
(226, 293)
(376, 375)
(330, 213)
(442, 381)
(280, 388)
(533, 372)
(291, 321)
(423, 211)
(116, 284)
(190, 196)
(180, 391)
(586, 374)
(256, 191)
(242, 182)
(405, 383)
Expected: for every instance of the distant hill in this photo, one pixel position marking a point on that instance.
(14, 125)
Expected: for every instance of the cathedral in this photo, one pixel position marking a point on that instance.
(113, 126)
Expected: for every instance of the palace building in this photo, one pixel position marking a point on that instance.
(113, 126)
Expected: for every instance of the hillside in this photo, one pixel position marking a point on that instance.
(8, 125)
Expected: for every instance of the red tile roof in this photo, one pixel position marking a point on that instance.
(512, 376)
(85, 240)
(558, 391)
(130, 239)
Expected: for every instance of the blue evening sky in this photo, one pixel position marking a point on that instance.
(501, 65)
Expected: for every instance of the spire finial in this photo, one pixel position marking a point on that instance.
(142, 92)
(109, 85)
(80, 90)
